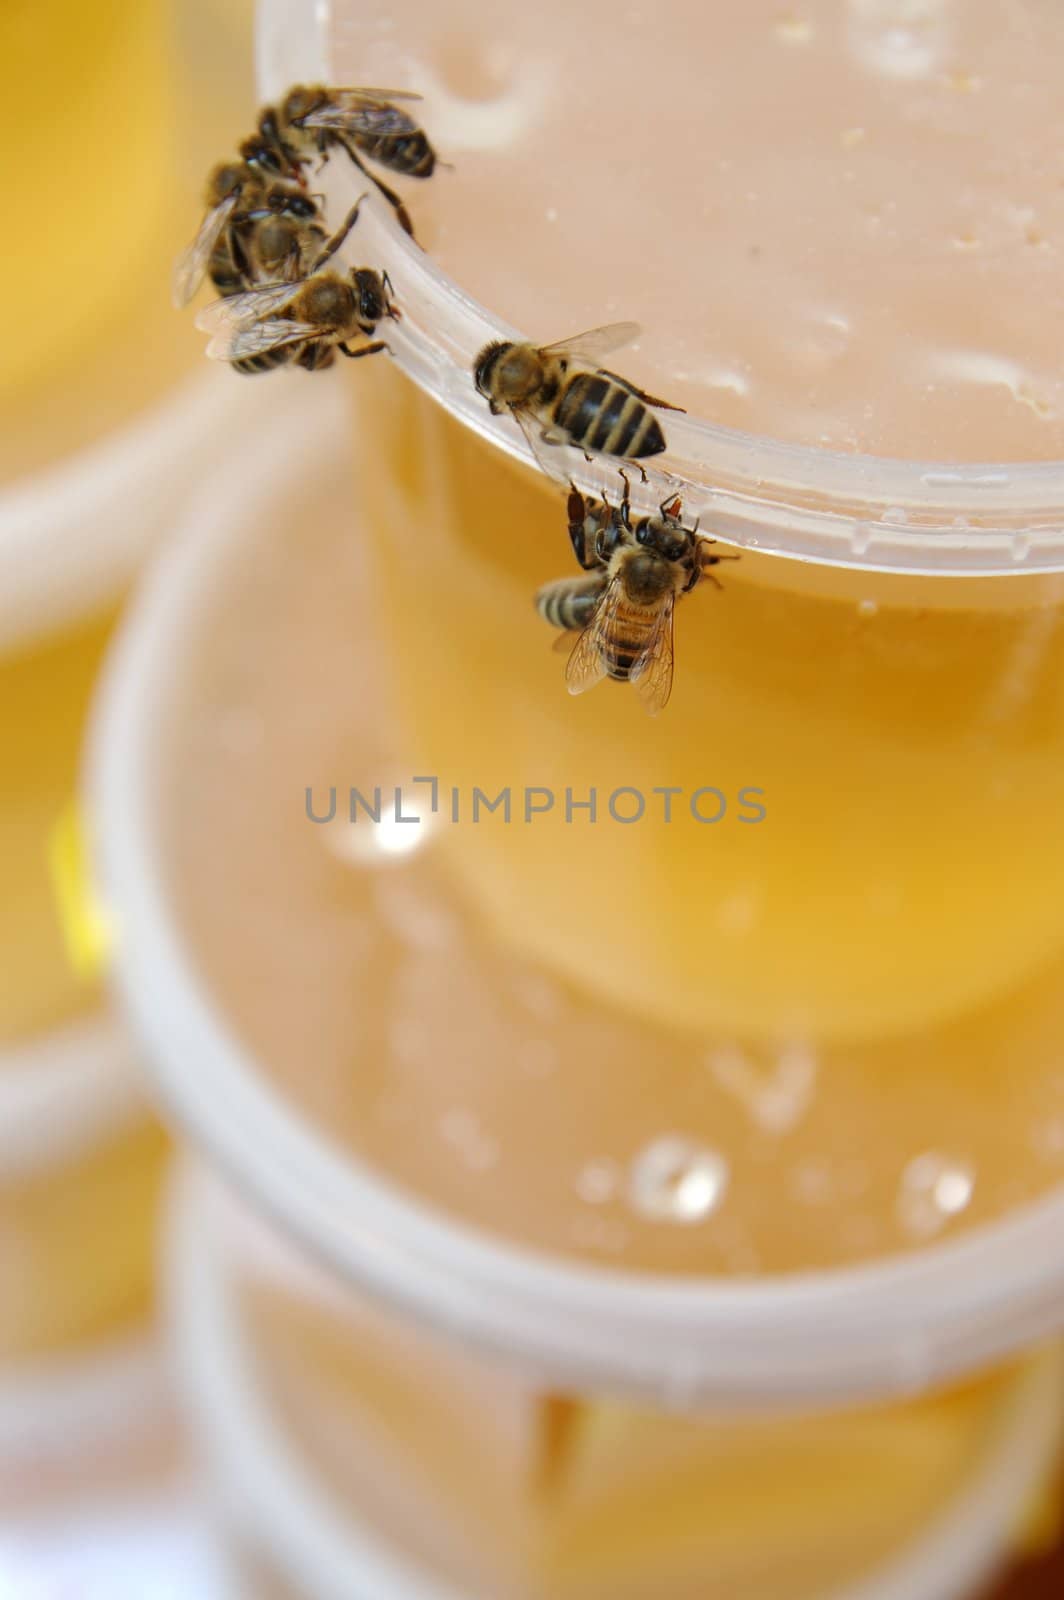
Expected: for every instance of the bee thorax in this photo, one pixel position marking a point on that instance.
(647, 577)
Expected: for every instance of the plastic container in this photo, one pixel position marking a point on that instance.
(80, 1164)
(878, 1321)
(291, 1524)
(81, 1161)
(886, 1327)
(65, 1416)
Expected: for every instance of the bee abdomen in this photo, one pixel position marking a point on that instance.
(316, 356)
(600, 413)
(626, 643)
(620, 656)
(408, 153)
(223, 271)
(570, 602)
(249, 365)
(226, 278)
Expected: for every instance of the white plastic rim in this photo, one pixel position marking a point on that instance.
(890, 1327)
(263, 1487)
(66, 1407)
(849, 510)
(317, 1546)
(66, 1093)
(73, 535)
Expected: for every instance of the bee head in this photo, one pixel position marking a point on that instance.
(507, 374)
(287, 199)
(371, 295)
(664, 535)
(226, 180)
(300, 102)
(264, 156)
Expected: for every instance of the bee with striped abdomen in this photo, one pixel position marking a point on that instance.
(313, 118)
(560, 396)
(278, 241)
(304, 322)
(596, 527)
(625, 607)
(308, 122)
(231, 186)
(570, 603)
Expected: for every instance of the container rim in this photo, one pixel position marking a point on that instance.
(875, 513)
(74, 534)
(959, 1547)
(812, 1338)
(66, 1092)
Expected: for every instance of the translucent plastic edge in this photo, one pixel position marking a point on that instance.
(275, 1497)
(871, 512)
(68, 1405)
(265, 1490)
(65, 1093)
(73, 535)
(890, 1327)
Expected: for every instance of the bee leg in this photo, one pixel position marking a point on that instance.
(402, 215)
(339, 236)
(365, 350)
(238, 255)
(701, 571)
(291, 264)
(626, 498)
(389, 289)
(653, 400)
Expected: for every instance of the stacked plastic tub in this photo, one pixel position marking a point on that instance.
(442, 1332)
(107, 420)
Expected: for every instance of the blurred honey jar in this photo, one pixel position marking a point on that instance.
(355, 1452)
(102, 408)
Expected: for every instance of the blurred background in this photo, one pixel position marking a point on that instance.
(110, 117)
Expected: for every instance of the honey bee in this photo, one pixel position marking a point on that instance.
(560, 396)
(280, 240)
(595, 527)
(311, 119)
(305, 321)
(570, 603)
(625, 607)
(306, 124)
(230, 184)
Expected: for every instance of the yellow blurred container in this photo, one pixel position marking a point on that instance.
(353, 1453)
(109, 422)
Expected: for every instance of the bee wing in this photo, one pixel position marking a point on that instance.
(244, 310)
(597, 342)
(651, 677)
(587, 663)
(234, 344)
(546, 454)
(379, 95)
(192, 263)
(362, 111)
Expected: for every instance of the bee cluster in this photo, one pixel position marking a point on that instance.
(265, 245)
